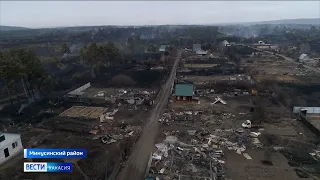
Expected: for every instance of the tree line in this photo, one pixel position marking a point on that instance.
(100, 55)
(21, 66)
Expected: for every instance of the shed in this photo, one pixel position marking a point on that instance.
(225, 43)
(184, 92)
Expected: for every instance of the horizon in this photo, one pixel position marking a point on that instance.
(59, 14)
(212, 24)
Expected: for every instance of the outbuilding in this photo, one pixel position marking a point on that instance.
(10, 145)
(225, 43)
(184, 92)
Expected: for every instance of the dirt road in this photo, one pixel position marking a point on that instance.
(293, 61)
(137, 162)
(305, 66)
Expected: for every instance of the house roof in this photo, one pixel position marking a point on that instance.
(184, 90)
(225, 42)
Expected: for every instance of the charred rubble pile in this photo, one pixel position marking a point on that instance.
(130, 98)
(201, 154)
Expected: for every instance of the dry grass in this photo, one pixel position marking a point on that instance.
(285, 78)
(199, 65)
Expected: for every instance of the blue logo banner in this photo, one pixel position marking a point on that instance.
(47, 167)
(55, 153)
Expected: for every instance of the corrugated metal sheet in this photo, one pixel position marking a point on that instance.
(310, 110)
(184, 90)
(304, 57)
(79, 90)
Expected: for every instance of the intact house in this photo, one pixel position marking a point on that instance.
(225, 43)
(185, 92)
(10, 145)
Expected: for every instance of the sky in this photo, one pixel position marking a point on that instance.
(39, 14)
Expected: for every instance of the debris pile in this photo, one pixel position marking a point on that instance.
(218, 99)
(201, 154)
(106, 116)
(132, 98)
(125, 97)
(232, 139)
(204, 92)
(180, 116)
(112, 135)
(315, 154)
(177, 160)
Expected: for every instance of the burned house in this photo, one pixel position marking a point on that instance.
(184, 92)
(87, 94)
(263, 45)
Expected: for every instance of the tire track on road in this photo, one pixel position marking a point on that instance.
(137, 162)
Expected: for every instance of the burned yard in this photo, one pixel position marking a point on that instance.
(228, 127)
(222, 121)
(162, 102)
(105, 121)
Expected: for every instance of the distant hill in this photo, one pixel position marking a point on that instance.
(310, 21)
(11, 28)
(314, 21)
